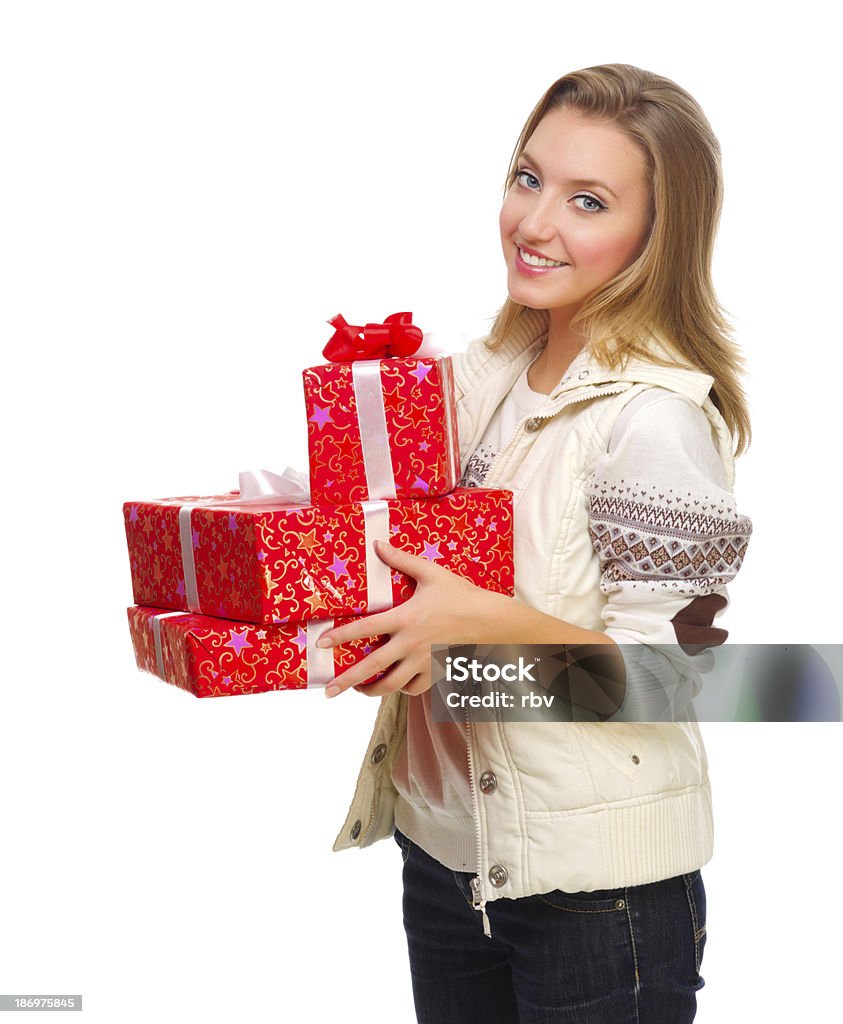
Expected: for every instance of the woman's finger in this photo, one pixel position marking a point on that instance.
(371, 665)
(418, 684)
(368, 626)
(395, 679)
(420, 567)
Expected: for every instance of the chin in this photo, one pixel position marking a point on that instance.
(527, 297)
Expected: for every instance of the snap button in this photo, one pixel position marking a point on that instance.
(533, 424)
(488, 782)
(583, 375)
(620, 904)
(497, 875)
(379, 753)
(636, 759)
(355, 829)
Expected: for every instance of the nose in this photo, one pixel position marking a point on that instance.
(538, 222)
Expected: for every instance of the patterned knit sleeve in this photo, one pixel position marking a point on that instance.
(670, 539)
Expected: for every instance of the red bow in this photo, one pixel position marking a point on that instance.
(396, 336)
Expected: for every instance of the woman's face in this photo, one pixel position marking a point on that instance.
(576, 214)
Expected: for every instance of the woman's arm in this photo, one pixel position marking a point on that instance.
(444, 609)
(669, 537)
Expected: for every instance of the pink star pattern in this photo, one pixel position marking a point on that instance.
(338, 567)
(421, 371)
(238, 641)
(431, 551)
(321, 415)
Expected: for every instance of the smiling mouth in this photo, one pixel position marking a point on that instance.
(538, 261)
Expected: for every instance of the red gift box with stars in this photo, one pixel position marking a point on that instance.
(276, 562)
(212, 657)
(380, 427)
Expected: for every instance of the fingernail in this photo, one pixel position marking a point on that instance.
(324, 641)
(332, 691)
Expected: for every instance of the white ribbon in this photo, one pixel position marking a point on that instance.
(292, 487)
(256, 487)
(259, 484)
(371, 416)
(156, 636)
(378, 573)
(188, 564)
(320, 661)
(374, 437)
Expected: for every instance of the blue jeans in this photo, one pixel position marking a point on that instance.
(625, 956)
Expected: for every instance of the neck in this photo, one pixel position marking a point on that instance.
(563, 346)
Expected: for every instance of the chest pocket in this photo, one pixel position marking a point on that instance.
(625, 746)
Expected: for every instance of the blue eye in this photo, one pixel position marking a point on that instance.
(531, 182)
(590, 209)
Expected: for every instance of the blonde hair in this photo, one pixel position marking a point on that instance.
(667, 292)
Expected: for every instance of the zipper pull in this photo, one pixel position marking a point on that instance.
(480, 905)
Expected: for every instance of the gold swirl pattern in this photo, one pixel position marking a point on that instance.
(417, 395)
(274, 565)
(212, 657)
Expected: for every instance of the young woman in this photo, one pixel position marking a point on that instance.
(552, 870)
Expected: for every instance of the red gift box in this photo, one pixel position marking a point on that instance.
(380, 427)
(212, 657)
(272, 561)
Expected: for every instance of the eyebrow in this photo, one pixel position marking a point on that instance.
(576, 182)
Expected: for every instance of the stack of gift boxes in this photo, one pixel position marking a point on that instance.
(232, 591)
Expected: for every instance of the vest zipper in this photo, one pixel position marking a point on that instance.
(476, 899)
(497, 465)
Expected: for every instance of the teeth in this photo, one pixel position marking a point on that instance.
(538, 261)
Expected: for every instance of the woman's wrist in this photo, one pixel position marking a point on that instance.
(499, 619)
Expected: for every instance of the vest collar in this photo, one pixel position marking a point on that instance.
(529, 337)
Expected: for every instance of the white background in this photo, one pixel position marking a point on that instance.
(188, 192)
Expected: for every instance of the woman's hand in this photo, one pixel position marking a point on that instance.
(444, 609)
